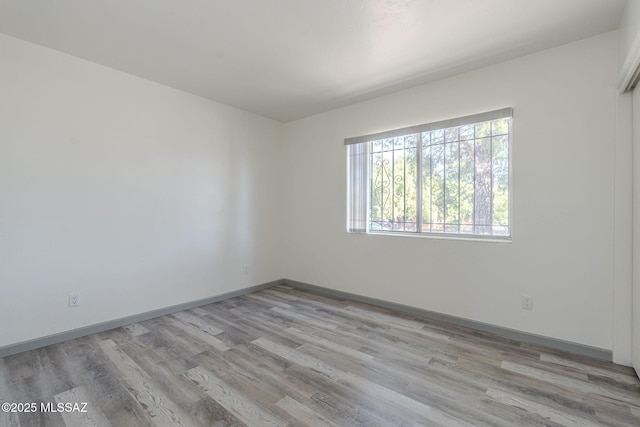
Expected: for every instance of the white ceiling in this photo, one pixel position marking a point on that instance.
(287, 59)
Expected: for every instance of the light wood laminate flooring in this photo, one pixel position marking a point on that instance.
(286, 357)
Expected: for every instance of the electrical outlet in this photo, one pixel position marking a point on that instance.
(246, 269)
(527, 302)
(74, 300)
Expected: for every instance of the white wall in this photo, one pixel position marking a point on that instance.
(135, 195)
(562, 252)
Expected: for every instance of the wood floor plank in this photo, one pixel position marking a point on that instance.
(363, 342)
(7, 418)
(41, 387)
(189, 319)
(385, 319)
(383, 392)
(80, 402)
(241, 407)
(199, 312)
(161, 409)
(87, 366)
(590, 370)
(344, 412)
(243, 381)
(339, 348)
(303, 317)
(201, 335)
(175, 339)
(545, 412)
(10, 419)
(303, 413)
(272, 301)
(576, 385)
(136, 329)
(260, 371)
(553, 397)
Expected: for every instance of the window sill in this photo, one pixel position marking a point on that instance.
(442, 236)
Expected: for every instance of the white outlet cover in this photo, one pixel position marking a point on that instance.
(74, 300)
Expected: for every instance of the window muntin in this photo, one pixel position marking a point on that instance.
(449, 180)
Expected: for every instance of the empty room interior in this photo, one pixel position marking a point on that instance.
(319, 212)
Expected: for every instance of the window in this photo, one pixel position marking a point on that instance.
(446, 178)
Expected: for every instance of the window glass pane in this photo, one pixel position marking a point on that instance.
(483, 129)
(394, 185)
(451, 135)
(467, 132)
(426, 138)
(386, 182)
(451, 186)
(426, 188)
(500, 127)
(500, 184)
(377, 179)
(437, 136)
(410, 141)
(437, 187)
(399, 188)
(467, 180)
(411, 187)
(482, 199)
(404, 189)
(376, 146)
